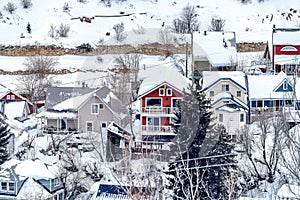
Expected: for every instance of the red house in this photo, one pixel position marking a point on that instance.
(286, 50)
(10, 96)
(156, 109)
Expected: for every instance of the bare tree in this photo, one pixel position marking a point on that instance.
(187, 22)
(63, 30)
(10, 7)
(167, 39)
(124, 76)
(37, 80)
(261, 147)
(217, 24)
(119, 30)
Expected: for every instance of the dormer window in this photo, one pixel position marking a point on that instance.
(161, 92)
(169, 92)
(8, 97)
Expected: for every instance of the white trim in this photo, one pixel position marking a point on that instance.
(161, 89)
(12, 97)
(288, 48)
(180, 98)
(8, 97)
(86, 127)
(171, 93)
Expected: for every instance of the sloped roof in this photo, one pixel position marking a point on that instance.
(212, 77)
(154, 76)
(285, 36)
(218, 47)
(15, 109)
(56, 95)
(263, 86)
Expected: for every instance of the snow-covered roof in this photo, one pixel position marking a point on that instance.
(57, 115)
(14, 109)
(20, 170)
(211, 77)
(286, 36)
(154, 76)
(218, 47)
(263, 86)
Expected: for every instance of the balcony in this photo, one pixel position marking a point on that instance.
(157, 111)
(157, 130)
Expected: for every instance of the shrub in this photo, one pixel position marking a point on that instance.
(107, 3)
(82, 1)
(139, 30)
(63, 30)
(26, 3)
(10, 7)
(1, 15)
(217, 24)
(85, 47)
(66, 7)
(119, 30)
(52, 31)
(28, 28)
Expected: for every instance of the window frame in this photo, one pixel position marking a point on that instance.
(225, 87)
(151, 107)
(211, 93)
(8, 97)
(86, 126)
(169, 92)
(239, 93)
(56, 182)
(161, 93)
(242, 117)
(92, 108)
(1, 186)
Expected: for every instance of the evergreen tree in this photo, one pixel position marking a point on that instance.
(4, 137)
(219, 178)
(28, 27)
(184, 175)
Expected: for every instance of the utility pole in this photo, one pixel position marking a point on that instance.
(186, 58)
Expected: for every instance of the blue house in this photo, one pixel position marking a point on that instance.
(29, 179)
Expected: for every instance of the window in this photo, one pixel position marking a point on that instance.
(56, 182)
(238, 93)
(259, 104)
(225, 87)
(8, 97)
(153, 102)
(95, 108)
(253, 104)
(220, 117)
(211, 93)
(169, 92)
(4, 186)
(12, 97)
(101, 106)
(285, 85)
(242, 117)
(103, 125)
(89, 126)
(161, 92)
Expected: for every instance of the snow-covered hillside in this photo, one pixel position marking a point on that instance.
(252, 21)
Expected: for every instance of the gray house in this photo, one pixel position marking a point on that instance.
(81, 110)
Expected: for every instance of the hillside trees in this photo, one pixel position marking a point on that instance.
(4, 139)
(37, 79)
(187, 22)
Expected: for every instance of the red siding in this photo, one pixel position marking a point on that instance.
(9, 94)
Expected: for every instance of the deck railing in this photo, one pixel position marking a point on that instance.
(157, 110)
(152, 130)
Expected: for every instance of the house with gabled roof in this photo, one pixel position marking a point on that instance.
(160, 89)
(273, 92)
(29, 179)
(228, 94)
(285, 50)
(214, 51)
(22, 106)
(81, 110)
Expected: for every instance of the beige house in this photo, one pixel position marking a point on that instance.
(228, 94)
(82, 110)
(214, 51)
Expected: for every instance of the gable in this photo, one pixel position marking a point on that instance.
(154, 91)
(284, 86)
(225, 80)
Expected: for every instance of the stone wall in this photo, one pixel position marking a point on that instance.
(149, 49)
(251, 46)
